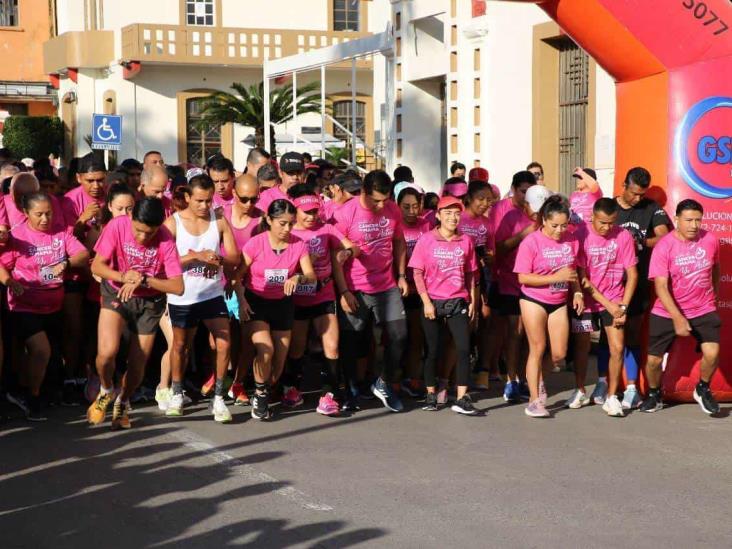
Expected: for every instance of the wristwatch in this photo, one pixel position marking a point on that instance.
(143, 282)
(623, 307)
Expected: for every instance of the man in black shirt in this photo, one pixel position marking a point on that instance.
(647, 221)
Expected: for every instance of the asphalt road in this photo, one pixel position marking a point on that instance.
(375, 479)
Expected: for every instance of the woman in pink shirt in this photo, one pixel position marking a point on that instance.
(271, 263)
(137, 261)
(33, 264)
(583, 199)
(445, 273)
(315, 303)
(547, 265)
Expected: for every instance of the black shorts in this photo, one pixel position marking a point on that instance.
(188, 316)
(548, 307)
(640, 301)
(661, 333)
(412, 302)
(589, 321)
(508, 305)
(315, 311)
(26, 325)
(278, 313)
(494, 297)
(141, 314)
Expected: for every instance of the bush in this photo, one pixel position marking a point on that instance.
(33, 136)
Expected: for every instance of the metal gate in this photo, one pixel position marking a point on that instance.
(573, 91)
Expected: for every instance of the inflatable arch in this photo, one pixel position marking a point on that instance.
(672, 62)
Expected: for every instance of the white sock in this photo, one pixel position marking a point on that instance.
(104, 391)
(602, 378)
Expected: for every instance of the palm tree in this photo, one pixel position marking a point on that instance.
(246, 107)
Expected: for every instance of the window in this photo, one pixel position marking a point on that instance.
(200, 12)
(346, 15)
(8, 13)
(342, 114)
(201, 142)
(15, 109)
(574, 78)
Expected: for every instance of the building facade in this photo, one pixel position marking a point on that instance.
(153, 61)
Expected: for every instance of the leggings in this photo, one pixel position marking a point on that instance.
(433, 331)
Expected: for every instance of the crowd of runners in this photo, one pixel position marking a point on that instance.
(294, 269)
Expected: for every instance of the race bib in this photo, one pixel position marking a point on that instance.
(47, 276)
(275, 277)
(202, 270)
(559, 287)
(583, 325)
(309, 288)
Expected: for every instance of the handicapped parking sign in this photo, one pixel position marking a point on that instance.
(106, 132)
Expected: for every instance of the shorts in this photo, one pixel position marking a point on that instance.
(412, 302)
(26, 325)
(494, 297)
(548, 307)
(589, 321)
(188, 316)
(661, 333)
(508, 305)
(315, 311)
(278, 313)
(385, 307)
(640, 301)
(141, 314)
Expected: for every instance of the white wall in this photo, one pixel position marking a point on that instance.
(605, 130)
(120, 13)
(70, 15)
(276, 14)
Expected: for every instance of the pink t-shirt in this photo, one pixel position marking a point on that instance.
(269, 271)
(30, 254)
(445, 264)
(220, 202)
(430, 216)
(270, 195)
(17, 217)
(242, 234)
(581, 204)
(606, 258)
(329, 208)
(498, 211)
(539, 254)
(374, 233)
(511, 224)
(412, 233)
(4, 214)
(320, 242)
(478, 229)
(158, 259)
(74, 203)
(688, 265)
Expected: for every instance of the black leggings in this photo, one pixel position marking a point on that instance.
(355, 345)
(459, 326)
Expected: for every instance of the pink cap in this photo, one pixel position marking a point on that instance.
(455, 189)
(307, 203)
(449, 202)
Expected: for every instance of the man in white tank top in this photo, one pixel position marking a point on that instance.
(199, 234)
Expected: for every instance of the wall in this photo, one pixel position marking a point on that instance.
(117, 14)
(21, 47)
(70, 15)
(604, 162)
(310, 14)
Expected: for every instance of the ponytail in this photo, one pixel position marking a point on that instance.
(555, 204)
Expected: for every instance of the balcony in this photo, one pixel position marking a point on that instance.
(236, 47)
(88, 49)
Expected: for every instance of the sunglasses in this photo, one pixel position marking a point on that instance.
(247, 199)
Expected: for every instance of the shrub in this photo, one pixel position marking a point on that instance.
(33, 136)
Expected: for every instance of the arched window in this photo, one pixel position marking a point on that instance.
(342, 114)
(201, 142)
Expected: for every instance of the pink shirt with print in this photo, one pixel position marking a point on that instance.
(270, 195)
(511, 224)
(688, 265)
(269, 271)
(412, 233)
(581, 204)
(478, 229)
(320, 241)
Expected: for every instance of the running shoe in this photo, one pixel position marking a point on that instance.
(220, 410)
(186, 399)
(703, 395)
(19, 400)
(430, 403)
(481, 381)
(536, 409)
(68, 394)
(613, 407)
(238, 394)
(98, 410)
(511, 392)
(524, 391)
(383, 392)
(175, 405)
(34, 410)
(464, 406)
(292, 397)
(442, 396)
(577, 400)
(162, 397)
(350, 404)
(411, 388)
(653, 403)
(120, 416)
(260, 406)
(142, 394)
(631, 398)
(208, 387)
(327, 405)
(599, 394)
(543, 396)
(364, 391)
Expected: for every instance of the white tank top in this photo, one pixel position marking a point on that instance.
(200, 283)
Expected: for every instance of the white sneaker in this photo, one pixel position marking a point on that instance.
(613, 407)
(577, 400)
(162, 397)
(600, 393)
(631, 398)
(186, 399)
(220, 411)
(175, 406)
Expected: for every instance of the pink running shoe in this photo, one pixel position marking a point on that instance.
(536, 409)
(542, 393)
(328, 406)
(292, 398)
(208, 387)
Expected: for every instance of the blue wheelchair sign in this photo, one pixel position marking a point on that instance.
(106, 132)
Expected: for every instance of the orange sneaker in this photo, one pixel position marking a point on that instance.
(208, 387)
(96, 413)
(120, 416)
(239, 395)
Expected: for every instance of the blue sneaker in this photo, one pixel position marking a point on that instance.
(524, 391)
(383, 392)
(511, 392)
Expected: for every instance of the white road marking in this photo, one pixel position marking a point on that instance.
(82, 492)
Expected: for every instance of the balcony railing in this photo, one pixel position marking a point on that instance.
(223, 46)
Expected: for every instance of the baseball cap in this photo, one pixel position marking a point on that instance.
(450, 202)
(292, 162)
(478, 174)
(457, 188)
(193, 172)
(307, 202)
(349, 183)
(399, 187)
(588, 171)
(536, 196)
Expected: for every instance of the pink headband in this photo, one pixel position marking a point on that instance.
(456, 189)
(307, 203)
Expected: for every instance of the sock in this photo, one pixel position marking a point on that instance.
(602, 378)
(261, 388)
(632, 360)
(603, 361)
(219, 388)
(177, 387)
(118, 400)
(104, 391)
(293, 372)
(329, 375)
(703, 384)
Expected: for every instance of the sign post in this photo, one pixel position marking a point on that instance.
(106, 134)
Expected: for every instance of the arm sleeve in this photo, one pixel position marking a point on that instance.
(419, 281)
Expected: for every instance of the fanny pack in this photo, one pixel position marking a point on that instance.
(446, 308)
